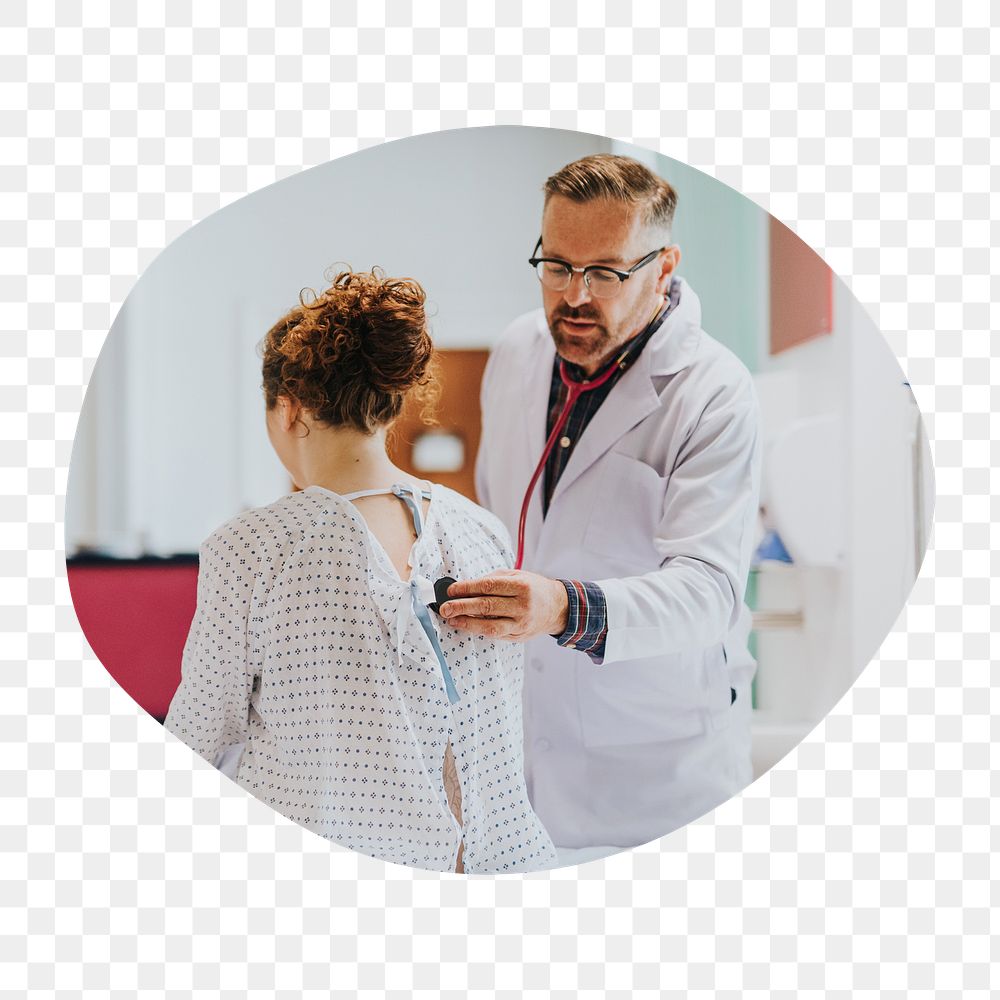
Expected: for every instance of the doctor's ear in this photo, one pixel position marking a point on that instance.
(669, 260)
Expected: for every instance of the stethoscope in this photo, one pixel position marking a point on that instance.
(575, 390)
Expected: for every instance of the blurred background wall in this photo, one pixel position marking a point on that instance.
(171, 440)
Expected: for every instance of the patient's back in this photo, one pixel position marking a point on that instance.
(390, 521)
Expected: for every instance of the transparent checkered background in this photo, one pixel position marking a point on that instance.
(862, 863)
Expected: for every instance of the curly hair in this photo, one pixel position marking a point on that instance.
(351, 354)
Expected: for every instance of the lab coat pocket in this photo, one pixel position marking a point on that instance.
(625, 513)
(633, 702)
(719, 697)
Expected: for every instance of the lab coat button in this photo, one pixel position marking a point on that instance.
(543, 745)
(537, 665)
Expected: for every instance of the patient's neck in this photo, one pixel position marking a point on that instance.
(345, 460)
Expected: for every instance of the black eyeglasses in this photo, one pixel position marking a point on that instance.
(602, 282)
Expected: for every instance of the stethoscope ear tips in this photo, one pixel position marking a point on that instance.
(441, 594)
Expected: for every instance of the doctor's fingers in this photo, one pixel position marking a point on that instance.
(492, 628)
(502, 583)
(483, 607)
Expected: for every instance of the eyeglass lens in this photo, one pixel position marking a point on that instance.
(601, 283)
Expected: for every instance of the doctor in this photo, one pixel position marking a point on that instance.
(637, 536)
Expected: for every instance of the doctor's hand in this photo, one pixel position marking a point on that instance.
(508, 604)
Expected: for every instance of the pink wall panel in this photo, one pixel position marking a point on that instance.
(801, 291)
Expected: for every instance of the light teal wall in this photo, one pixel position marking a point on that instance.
(723, 240)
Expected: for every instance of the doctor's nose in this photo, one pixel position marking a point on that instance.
(576, 293)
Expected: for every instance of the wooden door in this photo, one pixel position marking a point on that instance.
(446, 451)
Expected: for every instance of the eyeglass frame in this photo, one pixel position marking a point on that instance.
(622, 276)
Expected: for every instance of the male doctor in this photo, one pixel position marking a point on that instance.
(638, 533)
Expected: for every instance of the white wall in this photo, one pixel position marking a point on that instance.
(171, 440)
(883, 528)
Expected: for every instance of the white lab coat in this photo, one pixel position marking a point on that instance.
(657, 504)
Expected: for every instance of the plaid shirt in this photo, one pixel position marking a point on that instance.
(587, 623)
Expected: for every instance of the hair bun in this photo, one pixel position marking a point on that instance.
(392, 326)
(351, 353)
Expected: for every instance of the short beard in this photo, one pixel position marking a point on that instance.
(598, 348)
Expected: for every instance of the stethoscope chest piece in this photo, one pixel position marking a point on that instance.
(441, 594)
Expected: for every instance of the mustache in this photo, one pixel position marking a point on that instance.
(580, 315)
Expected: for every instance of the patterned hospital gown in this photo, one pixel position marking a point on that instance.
(306, 663)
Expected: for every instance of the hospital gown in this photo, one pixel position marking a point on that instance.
(308, 676)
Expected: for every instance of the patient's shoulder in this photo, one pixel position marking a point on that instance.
(262, 537)
(462, 507)
(458, 515)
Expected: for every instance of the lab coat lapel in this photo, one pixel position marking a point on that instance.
(631, 400)
(634, 396)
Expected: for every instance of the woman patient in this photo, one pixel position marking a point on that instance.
(314, 672)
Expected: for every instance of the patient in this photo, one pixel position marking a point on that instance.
(317, 672)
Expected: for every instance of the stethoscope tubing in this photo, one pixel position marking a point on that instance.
(576, 389)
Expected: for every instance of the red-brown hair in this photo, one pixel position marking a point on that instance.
(351, 354)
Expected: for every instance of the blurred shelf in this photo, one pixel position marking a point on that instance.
(777, 620)
(766, 724)
(775, 566)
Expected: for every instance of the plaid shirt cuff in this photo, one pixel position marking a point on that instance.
(587, 622)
